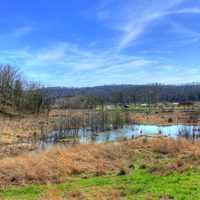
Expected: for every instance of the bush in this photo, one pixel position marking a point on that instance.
(170, 120)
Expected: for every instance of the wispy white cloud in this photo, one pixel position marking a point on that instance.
(193, 10)
(22, 31)
(80, 59)
(15, 35)
(68, 64)
(66, 60)
(186, 35)
(133, 18)
(185, 31)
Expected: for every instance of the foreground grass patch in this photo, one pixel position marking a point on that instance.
(135, 186)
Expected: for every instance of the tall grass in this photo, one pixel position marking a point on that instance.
(59, 164)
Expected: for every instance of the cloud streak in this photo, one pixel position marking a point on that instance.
(135, 17)
(64, 60)
(22, 31)
(68, 64)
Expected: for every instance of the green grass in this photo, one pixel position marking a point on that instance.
(136, 186)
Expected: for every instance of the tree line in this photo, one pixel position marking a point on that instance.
(123, 94)
(17, 95)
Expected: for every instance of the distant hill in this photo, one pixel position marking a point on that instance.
(131, 93)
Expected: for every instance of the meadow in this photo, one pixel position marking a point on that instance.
(143, 168)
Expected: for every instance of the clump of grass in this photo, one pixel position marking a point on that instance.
(75, 196)
(52, 194)
(170, 120)
(122, 172)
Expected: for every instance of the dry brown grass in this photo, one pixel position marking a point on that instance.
(55, 195)
(15, 149)
(20, 129)
(24, 128)
(52, 195)
(165, 118)
(58, 165)
(113, 195)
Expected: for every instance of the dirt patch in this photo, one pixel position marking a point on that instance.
(55, 195)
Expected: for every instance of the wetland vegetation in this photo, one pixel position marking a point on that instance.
(85, 145)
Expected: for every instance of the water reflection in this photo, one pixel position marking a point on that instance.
(85, 136)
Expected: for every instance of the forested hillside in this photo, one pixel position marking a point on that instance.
(131, 93)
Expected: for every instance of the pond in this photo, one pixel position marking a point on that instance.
(86, 136)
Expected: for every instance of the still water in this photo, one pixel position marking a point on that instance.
(86, 136)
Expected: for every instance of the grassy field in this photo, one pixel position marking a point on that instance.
(144, 169)
(138, 185)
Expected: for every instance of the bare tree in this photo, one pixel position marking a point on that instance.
(18, 96)
(8, 78)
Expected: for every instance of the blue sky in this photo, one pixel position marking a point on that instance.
(98, 42)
